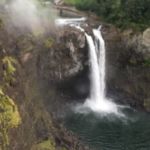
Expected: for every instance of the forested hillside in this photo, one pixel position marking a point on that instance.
(123, 13)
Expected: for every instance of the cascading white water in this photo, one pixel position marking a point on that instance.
(69, 21)
(95, 72)
(97, 100)
(100, 48)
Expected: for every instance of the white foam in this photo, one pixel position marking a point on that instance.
(69, 21)
(98, 101)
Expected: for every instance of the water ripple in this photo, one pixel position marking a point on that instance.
(103, 133)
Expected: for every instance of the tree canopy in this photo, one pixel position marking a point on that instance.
(123, 13)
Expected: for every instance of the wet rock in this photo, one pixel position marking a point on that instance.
(147, 104)
(126, 72)
(146, 38)
(66, 55)
(140, 42)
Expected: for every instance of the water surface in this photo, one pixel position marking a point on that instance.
(111, 132)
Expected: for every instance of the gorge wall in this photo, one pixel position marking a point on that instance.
(31, 68)
(127, 62)
(128, 69)
(52, 70)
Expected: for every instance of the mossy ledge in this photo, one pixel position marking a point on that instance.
(9, 118)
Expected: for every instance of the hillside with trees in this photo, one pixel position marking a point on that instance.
(129, 13)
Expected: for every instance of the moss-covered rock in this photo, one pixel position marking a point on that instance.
(48, 43)
(9, 61)
(8, 111)
(9, 68)
(44, 145)
(9, 118)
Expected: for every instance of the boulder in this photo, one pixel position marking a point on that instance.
(146, 38)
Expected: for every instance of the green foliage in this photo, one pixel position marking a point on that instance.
(48, 43)
(147, 63)
(123, 13)
(90, 5)
(9, 118)
(70, 2)
(9, 63)
(8, 111)
(44, 145)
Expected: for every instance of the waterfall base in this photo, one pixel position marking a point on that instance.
(102, 106)
(112, 132)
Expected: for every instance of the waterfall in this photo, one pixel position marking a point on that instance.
(95, 71)
(68, 21)
(100, 48)
(97, 101)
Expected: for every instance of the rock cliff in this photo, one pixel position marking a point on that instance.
(42, 73)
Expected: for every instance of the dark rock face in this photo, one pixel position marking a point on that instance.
(66, 57)
(54, 68)
(43, 63)
(127, 76)
(64, 65)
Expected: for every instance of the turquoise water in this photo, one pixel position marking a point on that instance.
(112, 132)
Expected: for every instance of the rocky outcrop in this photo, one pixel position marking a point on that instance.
(139, 42)
(127, 63)
(146, 37)
(53, 68)
(40, 62)
(128, 68)
(66, 56)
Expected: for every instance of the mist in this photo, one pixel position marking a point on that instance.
(30, 15)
